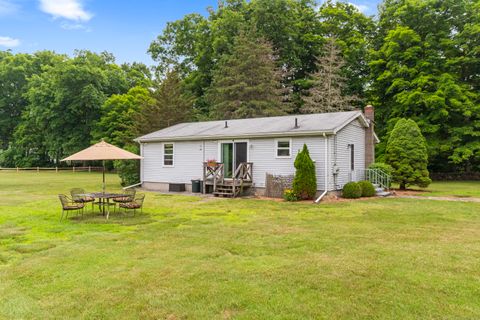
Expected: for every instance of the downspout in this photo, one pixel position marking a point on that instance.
(326, 170)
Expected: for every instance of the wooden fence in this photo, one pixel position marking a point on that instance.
(55, 169)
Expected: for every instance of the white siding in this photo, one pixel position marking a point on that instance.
(353, 133)
(189, 155)
(262, 154)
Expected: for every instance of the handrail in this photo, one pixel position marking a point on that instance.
(378, 177)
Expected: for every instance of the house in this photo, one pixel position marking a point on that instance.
(246, 150)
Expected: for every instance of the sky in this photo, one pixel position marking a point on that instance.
(122, 27)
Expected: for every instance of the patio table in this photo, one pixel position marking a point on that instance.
(104, 198)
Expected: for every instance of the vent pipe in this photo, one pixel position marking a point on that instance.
(226, 124)
(296, 123)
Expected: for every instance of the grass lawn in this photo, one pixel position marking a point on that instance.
(196, 258)
(464, 189)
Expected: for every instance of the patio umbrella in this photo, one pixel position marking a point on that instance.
(102, 151)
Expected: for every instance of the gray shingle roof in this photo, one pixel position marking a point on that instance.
(319, 123)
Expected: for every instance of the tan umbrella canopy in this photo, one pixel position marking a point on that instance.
(102, 151)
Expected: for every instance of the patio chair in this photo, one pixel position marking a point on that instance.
(78, 196)
(129, 196)
(69, 204)
(134, 205)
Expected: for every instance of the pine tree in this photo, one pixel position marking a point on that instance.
(327, 91)
(246, 83)
(171, 105)
(305, 181)
(407, 153)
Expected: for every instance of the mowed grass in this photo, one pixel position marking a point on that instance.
(194, 258)
(460, 189)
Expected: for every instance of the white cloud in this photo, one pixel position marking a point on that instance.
(67, 9)
(7, 7)
(9, 42)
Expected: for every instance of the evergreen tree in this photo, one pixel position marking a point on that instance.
(171, 105)
(305, 181)
(327, 92)
(407, 154)
(246, 83)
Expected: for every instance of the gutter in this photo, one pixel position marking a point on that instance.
(267, 135)
(326, 171)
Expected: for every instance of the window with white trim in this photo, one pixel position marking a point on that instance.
(284, 148)
(168, 154)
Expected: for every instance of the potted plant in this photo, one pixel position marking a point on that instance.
(212, 163)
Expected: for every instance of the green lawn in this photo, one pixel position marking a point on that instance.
(452, 189)
(195, 258)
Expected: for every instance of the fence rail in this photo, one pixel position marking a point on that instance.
(56, 169)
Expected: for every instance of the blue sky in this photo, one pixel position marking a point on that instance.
(122, 27)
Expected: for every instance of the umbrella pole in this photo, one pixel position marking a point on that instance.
(103, 161)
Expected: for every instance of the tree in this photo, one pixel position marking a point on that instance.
(407, 154)
(246, 83)
(354, 33)
(425, 67)
(327, 92)
(64, 104)
(305, 181)
(196, 44)
(170, 105)
(117, 123)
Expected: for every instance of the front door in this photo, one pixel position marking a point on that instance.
(232, 154)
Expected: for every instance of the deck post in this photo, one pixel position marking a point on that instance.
(204, 180)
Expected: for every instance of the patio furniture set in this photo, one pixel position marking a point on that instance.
(128, 200)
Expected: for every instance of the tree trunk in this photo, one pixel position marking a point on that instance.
(403, 186)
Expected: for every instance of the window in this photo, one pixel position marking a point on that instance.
(168, 154)
(352, 157)
(284, 149)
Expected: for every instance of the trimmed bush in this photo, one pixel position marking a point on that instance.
(407, 153)
(305, 181)
(352, 190)
(289, 195)
(368, 190)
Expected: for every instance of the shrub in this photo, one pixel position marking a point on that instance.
(352, 190)
(382, 166)
(289, 195)
(368, 190)
(305, 180)
(407, 153)
(128, 170)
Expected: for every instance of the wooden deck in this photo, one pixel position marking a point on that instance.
(213, 175)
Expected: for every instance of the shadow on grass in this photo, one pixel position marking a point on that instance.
(125, 219)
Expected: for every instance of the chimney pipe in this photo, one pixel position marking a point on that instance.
(296, 123)
(226, 124)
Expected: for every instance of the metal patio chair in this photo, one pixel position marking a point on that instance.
(136, 204)
(69, 204)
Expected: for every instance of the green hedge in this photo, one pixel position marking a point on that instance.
(368, 190)
(352, 190)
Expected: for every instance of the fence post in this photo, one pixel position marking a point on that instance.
(89, 169)
(17, 169)
(56, 169)
(73, 168)
(38, 169)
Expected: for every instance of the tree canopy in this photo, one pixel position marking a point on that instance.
(417, 59)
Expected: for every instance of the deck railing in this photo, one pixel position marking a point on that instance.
(244, 173)
(214, 172)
